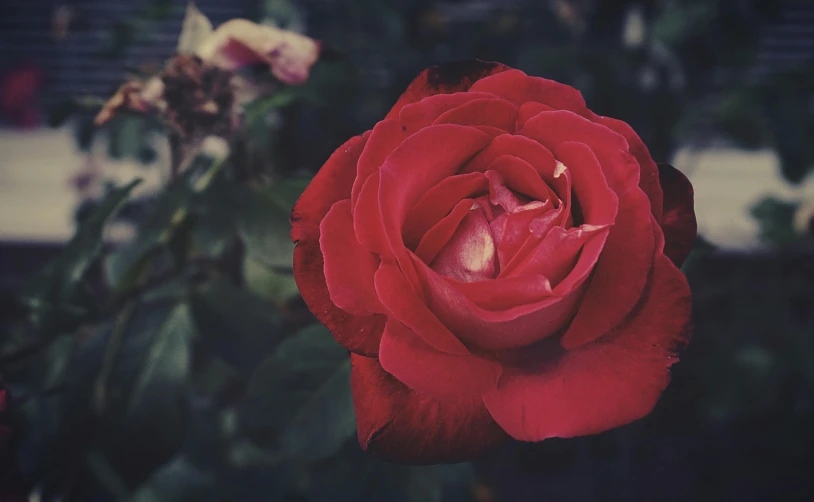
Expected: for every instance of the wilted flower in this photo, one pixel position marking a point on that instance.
(198, 91)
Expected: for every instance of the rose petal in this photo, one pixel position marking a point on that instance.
(620, 274)
(438, 202)
(598, 203)
(520, 88)
(521, 177)
(403, 305)
(678, 219)
(552, 128)
(606, 384)
(349, 267)
(540, 315)
(649, 179)
(447, 78)
(532, 152)
(423, 160)
(528, 110)
(492, 112)
(512, 230)
(426, 111)
(367, 221)
(401, 425)
(332, 183)
(440, 234)
(470, 254)
(427, 371)
(384, 138)
(555, 254)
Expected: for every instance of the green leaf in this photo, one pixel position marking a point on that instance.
(776, 221)
(257, 111)
(287, 191)
(241, 328)
(57, 296)
(263, 281)
(264, 227)
(299, 399)
(167, 363)
(176, 481)
(130, 378)
(170, 210)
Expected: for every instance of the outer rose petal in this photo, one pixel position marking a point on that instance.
(605, 384)
(332, 183)
(349, 267)
(396, 423)
(420, 367)
(678, 219)
(520, 88)
(457, 76)
(620, 275)
(649, 180)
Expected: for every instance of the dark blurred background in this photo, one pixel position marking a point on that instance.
(722, 89)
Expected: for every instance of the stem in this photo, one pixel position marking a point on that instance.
(176, 154)
(112, 350)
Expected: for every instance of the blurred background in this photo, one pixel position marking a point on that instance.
(721, 89)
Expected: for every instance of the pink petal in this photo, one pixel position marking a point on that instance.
(470, 254)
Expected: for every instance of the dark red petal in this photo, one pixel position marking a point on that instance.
(552, 128)
(620, 274)
(520, 88)
(418, 115)
(598, 203)
(606, 384)
(556, 254)
(438, 202)
(457, 76)
(349, 267)
(398, 424)
(678, 219)
(404, 355)
(331, 184)
(649, 180)
(520, 176)
(529, 151)
(533, 315)
(492, 112)
(367, 221)
(528, 110)
(383, 139)
(403, 304)
(423, 160)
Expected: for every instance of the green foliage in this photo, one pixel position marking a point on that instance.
(298, 400)
(58, 297)
(775, 219)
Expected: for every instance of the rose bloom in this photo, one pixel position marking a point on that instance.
(500, 261)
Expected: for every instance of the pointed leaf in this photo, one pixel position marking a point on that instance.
(241, 327)
(299, 399)
(57, 295)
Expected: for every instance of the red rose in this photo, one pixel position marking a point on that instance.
(500, 261)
